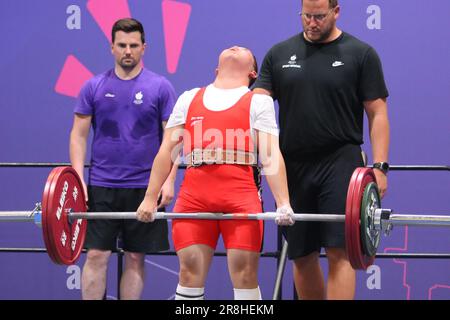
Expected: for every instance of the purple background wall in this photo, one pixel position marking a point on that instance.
(37, 116)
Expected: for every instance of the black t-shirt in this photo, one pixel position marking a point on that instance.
(320, 89)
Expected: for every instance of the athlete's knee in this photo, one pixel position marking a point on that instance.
(244, 273)
(246, 279)
(338, 260)
(191, 261)
(309, 260)
(337, 255)
(134, 259)
(191, 269)
(97, 258)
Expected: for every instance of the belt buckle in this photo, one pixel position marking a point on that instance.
(196, 158)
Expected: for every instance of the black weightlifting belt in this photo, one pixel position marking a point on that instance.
(200, 157)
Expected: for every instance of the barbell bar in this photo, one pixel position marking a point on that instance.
(394, 219)
(17, 216)
(419, 220)
(63, 217)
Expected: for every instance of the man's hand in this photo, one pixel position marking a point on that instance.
(146, 211)
(381, 181)
(285, 216)
(167, 193)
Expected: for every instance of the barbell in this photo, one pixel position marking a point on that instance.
(63, 217)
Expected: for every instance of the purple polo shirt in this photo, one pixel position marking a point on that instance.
(126, 122)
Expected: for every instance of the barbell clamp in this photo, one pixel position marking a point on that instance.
(382, 222)
(37, 214)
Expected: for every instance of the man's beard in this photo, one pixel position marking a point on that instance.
(128, 66)
(323, 36)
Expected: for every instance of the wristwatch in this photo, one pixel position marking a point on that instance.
(383, 166)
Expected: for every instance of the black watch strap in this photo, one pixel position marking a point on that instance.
(383, 166)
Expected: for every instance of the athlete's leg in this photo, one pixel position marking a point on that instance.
(195, 261)
(308, 277)
(93, 278)
(243, 268)
(132, 281)
(341, 276)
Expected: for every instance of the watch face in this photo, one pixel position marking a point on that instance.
(383, 166)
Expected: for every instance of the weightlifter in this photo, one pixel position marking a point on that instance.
(224, 127)
(324, 79)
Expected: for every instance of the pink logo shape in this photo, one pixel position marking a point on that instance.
(403, 263)
(175, 21)
(436, 286)
(405, 270)
(72, 77)
(106, 12)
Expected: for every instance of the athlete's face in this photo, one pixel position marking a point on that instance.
(128, 49)
(318, 19)
(238, 57)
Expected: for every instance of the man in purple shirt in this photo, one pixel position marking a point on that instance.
(127, 107)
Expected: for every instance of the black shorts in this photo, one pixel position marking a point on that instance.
(136, 236)
(318, 184)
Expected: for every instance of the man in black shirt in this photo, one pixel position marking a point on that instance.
(324, 79)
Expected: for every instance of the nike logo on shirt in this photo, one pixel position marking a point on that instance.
(337, 64)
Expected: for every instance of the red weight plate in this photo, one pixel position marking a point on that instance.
(368, 178)
(355, 232)
(46, 228)
(64, 194)
(44, 203)
(50, 248)
(348, 219)
(365, 176)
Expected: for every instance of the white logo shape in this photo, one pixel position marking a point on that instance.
(337, 64)
(195, 120)
(110, 95)
(292, 63)
(138, 98)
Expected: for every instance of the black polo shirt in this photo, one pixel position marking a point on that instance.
(320, 89)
